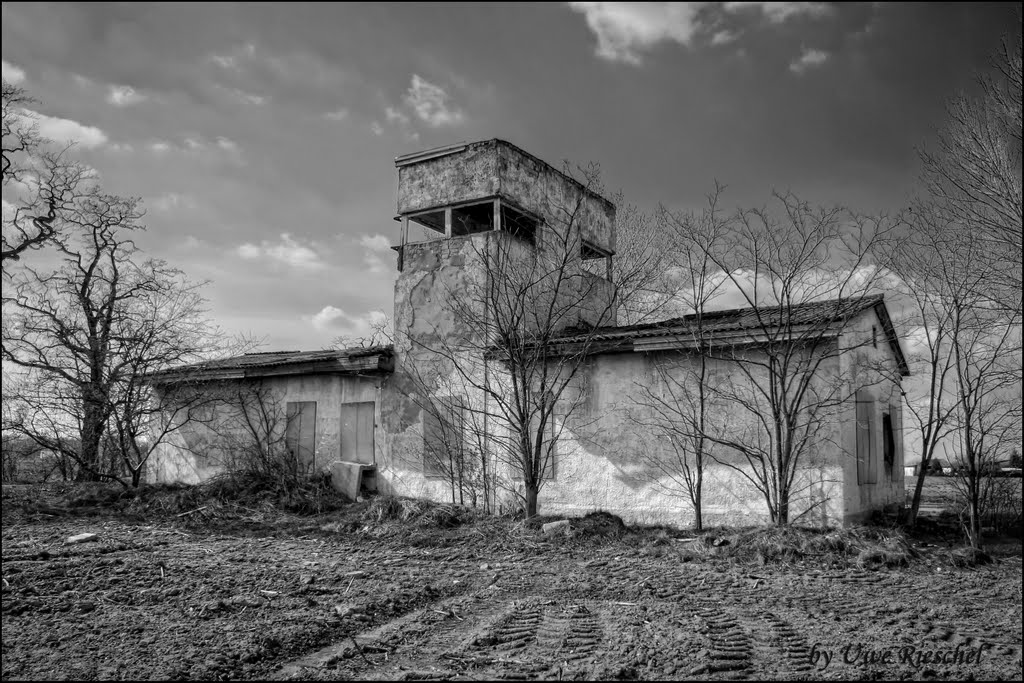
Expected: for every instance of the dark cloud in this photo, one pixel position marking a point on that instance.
(267, 77)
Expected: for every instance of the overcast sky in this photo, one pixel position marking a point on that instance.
(262, 137)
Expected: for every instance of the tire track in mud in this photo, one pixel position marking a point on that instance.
(538, 639)
(624, 618)
(730, 652)
(796, 654)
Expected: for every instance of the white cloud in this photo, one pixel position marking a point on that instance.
(374, 263)
(232, 59)
(375, 242)
(193, 143)
(225, 61)
(63, 131)
(227, 144)
(377, 128)
(337, 115)
(778, 12)
(173, 200)
(248, 97)
(81, 81)
(723, 37)
(623, 29)
(12, 74)
(124, 96)
(808, 58)
(335, 320)
(396, 116)
(430, 104)
(288, 252)
(160, 147)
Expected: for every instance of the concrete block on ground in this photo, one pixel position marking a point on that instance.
(346, 477)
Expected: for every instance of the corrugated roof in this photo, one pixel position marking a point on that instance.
(353, 360)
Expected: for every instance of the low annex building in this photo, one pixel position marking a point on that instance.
(414, 418)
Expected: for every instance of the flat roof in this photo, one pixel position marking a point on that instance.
(437, 152)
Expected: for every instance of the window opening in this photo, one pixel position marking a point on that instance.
(469, 220)
(433, 220)
(518, 224)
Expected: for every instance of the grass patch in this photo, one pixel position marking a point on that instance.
(865, 547)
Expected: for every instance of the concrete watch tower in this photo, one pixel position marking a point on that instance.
(456, 204)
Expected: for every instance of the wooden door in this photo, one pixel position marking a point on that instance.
(357, 432)
(300, 433)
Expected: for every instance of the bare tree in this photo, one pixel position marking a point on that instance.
(251, 430)
(805, 278)
(922, 265)
(986, 350)
(973, 176)
(676, 405)
(41, 183)
(87, 333)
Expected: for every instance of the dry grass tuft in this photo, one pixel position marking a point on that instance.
(863, 546)
(963, 558)
(422, 514)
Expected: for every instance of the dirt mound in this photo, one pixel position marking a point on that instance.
(599, 523)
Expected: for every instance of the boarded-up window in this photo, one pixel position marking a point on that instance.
(357, 432)
(866, 457)
(300, 432)
(443, 424)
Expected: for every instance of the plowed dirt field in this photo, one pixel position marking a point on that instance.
(312, 598)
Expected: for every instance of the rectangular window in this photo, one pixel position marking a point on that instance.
(469, 220)
(519, 224)
(888, 444)
(300, 431)
(589, 251)
(866, 457)
(432, 220)
(443, 425)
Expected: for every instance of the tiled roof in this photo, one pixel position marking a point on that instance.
(357, 360)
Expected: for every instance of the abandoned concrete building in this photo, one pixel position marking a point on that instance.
(429, 414)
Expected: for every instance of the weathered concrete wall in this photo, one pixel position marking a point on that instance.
(451, 179)
(440, 300)
(196, 451)
(872, 367)
(611, 459)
